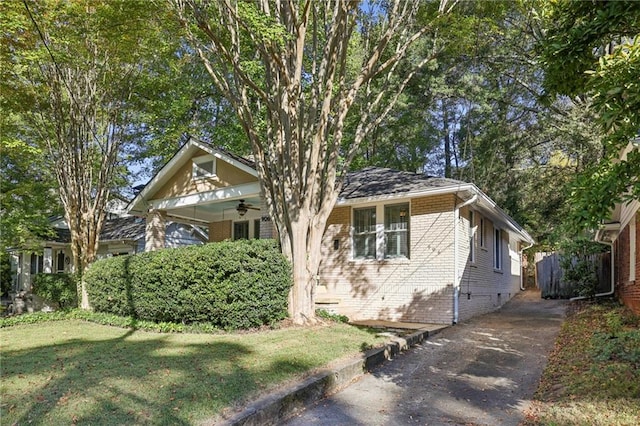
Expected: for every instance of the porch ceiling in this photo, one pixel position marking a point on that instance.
(213, 211)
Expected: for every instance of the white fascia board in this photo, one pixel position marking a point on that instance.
(628, 211)
(414, 194)
(226, 158)
(173, 163)
(503, 218)
(488, 204)
(176, 161)
(223, 194)
(607, 232)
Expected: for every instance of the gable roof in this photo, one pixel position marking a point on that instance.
(179, 158)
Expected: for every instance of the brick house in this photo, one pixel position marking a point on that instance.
(622, 232)
(398, 246)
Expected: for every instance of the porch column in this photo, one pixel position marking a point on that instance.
(47, 261)
(155, 230)
(219, 231)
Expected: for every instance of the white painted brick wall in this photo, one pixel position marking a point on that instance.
(419, 289)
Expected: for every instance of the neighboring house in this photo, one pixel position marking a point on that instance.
(119, 236)
(622, 233)
(398, 246)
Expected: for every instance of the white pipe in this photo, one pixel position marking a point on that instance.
(456, 278)
(613, 269)
(521, 274)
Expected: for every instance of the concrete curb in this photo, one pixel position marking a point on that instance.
(275, 408)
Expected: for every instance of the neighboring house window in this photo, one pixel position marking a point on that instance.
(37, 263)
(241, 230)
(60, 261)
(632, 250)
(481, 232)
(204, 166)
(497, 249)
(364, 233)
(396, 230)
(472, 248)
(256, 229)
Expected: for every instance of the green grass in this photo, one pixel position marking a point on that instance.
(76, 372)
(593, 374)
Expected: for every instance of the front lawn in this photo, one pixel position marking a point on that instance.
(76, 372)
(593, 374)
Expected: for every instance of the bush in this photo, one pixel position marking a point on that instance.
(5, 273)
(58, 288)
(232, 285)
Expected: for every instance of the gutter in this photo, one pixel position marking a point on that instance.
(521, 274)
(598, 239)
(456, 278)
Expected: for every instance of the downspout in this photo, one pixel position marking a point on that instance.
(613, 269)
(521, 274)
(456, 278)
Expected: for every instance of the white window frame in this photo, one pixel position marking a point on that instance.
(483, 235)
(388, 233)
(381, 233)
(497, 249)
(365, 234)
(198, 171)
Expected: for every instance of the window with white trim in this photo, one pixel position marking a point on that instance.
(364, 233)
(497, 249)
(203, 167)
(396, 230)
(483, 239)
(381, 232)
(36, 264)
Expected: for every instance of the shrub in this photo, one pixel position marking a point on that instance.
(57, 288)
(322, 313)
(232, 285)
(5, 273)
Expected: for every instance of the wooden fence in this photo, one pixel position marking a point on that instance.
(549, 274)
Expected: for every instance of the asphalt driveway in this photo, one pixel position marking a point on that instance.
(481, 372)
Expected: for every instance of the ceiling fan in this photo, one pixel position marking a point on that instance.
(243, 208)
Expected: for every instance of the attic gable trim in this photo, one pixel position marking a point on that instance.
(173, 163)
(222, 156)
(223, 194)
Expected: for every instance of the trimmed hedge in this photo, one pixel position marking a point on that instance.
(59, 288)
(232, 284)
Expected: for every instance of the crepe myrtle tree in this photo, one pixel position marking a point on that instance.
(70, 76)
(293, 70)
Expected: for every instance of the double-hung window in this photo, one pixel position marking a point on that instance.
(396, 230)
(381, 232)
(364, 233)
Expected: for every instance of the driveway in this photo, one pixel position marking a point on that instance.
(481, 372)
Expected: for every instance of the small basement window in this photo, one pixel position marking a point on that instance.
(204, 167)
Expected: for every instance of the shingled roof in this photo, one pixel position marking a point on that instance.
(122, 228)
(377, 181)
